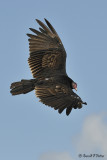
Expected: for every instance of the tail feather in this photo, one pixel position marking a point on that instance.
(22, 87)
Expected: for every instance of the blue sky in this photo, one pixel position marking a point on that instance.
(30, 130)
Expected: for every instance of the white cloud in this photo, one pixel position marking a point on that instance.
(56, 156)
(93, 136)
(92, 139)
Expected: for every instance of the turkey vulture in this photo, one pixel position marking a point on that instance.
(47, 62)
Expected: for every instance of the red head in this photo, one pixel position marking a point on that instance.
(74, 85)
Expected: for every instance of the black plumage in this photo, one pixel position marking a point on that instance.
(47, 62)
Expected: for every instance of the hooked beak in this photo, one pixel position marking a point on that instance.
(76, 89)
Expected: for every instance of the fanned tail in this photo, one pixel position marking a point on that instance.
(22, 87)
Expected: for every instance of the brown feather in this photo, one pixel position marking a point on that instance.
(45, 28)
(42, 30)
(50, 26)
(58, 99)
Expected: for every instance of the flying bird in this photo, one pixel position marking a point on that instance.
(47, 62)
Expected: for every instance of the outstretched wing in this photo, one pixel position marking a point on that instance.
(59, 97)
(47, 54)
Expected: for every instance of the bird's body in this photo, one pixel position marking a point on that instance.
(47, 62)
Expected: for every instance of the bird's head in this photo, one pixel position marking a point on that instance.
(74, 85)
